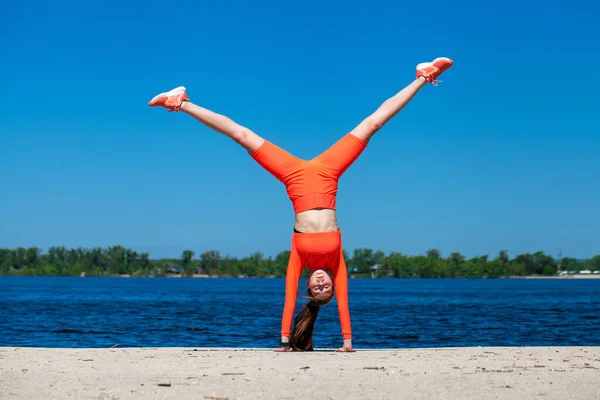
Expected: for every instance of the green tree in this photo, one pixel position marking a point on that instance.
(434, 253)
(364, 259)
(595, 264)
(569, 264)
(400, 264)
(280, 263)
(251, 266)
(20, 258)
(57, 254)
(116, 259)
(544, 264)
(186, 257)
(5, 257)
(456, 259)
(144, 260)
(210, 262)
(503, 257)
(33, 257)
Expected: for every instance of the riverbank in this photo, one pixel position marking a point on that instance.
(203, 276)
(590, 276)
(188, 373)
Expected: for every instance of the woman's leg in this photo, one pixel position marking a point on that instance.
(374, 122)
(220, 123)
(344, 152)
(339, 157)
(275, 160)
(272, 158)
(426, 72)
(177, 99)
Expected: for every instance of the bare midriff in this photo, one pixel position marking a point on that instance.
(316, 220)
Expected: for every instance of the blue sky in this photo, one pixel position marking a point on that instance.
(504, 154)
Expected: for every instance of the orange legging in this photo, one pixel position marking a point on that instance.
(313, 184)
(310, 183)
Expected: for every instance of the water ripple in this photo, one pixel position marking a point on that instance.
(390, 313)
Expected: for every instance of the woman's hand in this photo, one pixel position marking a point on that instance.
(284, 345)
(283, 350)
(347, 347)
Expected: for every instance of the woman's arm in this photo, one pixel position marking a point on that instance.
(340, 278)
(291, 292)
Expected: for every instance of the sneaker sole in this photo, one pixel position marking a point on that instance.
(427, 64)
(173, 92)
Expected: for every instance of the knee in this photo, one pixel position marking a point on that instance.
(247, 139)
(241, 136)
(375, 125)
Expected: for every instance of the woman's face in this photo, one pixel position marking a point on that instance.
(320, 283)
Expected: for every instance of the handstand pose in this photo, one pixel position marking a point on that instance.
(312, 187)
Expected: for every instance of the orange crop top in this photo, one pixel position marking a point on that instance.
(317, 250)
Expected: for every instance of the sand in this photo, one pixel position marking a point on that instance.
(188, 373)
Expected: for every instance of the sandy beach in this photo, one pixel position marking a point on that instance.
(188, 373)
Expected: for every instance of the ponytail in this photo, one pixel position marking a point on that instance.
(301, 337)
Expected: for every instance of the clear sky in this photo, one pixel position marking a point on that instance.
(504, 154)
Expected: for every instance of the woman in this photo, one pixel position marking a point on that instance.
(312, 187)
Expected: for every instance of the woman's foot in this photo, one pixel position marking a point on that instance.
(170, 100)
(432, 70)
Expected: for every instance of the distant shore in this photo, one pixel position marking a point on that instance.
(236, 374)
(362, 263)
(204, 276)
(580, 276)
(596, 276)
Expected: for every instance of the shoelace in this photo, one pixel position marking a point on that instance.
(432, 77)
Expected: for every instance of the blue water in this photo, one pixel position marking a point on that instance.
(393, 313)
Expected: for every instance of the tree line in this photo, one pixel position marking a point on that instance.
(118, 260)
